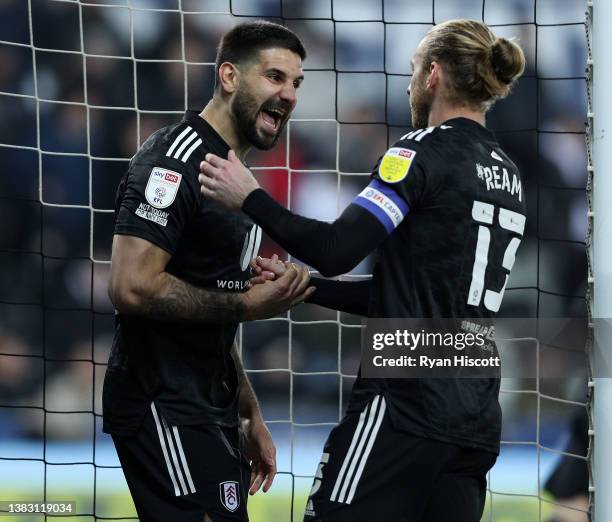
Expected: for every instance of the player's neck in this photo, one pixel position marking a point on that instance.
(441, 112)
(218, 116)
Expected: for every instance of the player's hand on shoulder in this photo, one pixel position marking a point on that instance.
(274, 297)
(226, 181)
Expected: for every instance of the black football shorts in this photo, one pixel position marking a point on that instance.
(184, 472)
(372, 472)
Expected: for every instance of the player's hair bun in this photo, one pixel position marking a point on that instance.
(481, 68)
(507, 60)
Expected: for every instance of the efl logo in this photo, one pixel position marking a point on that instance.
(376, 196)
(162, 187)
(229, 495)
(406, 153)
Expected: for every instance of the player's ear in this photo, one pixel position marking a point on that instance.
(229, 77)
(433, 78)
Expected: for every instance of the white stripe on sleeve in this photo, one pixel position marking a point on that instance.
(177, 140)
(184, 144)
(191, 149)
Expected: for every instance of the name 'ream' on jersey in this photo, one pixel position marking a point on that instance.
(498, 178)
(454, 207)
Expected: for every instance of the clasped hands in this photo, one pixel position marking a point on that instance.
(268, 269)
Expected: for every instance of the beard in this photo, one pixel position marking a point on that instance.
(420, 106)
(245, 110)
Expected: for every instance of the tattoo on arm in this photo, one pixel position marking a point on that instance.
(177, 300)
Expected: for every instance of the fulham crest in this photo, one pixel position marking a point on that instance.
(229, 495)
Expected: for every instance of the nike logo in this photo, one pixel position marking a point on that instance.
(496, 156)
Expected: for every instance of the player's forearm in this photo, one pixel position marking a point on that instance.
(331, 248)
(351, 297)
(170, 299)
(248, 405)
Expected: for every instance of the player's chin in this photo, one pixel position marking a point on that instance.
(265, 139)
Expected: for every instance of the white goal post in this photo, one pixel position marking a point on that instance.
(599, 22)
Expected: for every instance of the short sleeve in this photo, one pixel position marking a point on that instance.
(403, 180)
(404, 169)
(159, 198)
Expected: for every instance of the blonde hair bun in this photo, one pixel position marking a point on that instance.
(507, 60)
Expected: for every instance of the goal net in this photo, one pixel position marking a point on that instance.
(84, 83)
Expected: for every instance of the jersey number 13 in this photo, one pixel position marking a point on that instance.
(484, 213)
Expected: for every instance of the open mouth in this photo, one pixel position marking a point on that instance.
(272, 119)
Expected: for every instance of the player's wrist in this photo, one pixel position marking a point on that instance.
(248, 191)
(253, 198)
(245, 307)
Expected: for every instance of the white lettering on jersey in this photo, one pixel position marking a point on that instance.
(225, 284)
(494, 180)
(508, 220)
(152, 214)
(385, 203)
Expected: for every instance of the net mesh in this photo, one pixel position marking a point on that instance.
(84, 83)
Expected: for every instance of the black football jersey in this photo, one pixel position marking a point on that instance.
(454, 205)
(186, 369)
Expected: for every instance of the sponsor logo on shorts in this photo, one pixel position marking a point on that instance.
(229, 495)
(152, 214)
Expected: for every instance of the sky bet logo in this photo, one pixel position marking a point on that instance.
(162, 187)
(405, 153)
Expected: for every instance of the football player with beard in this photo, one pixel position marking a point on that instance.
(445, 211)
(183, 416)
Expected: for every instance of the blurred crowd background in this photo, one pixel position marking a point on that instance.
(101, 78)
